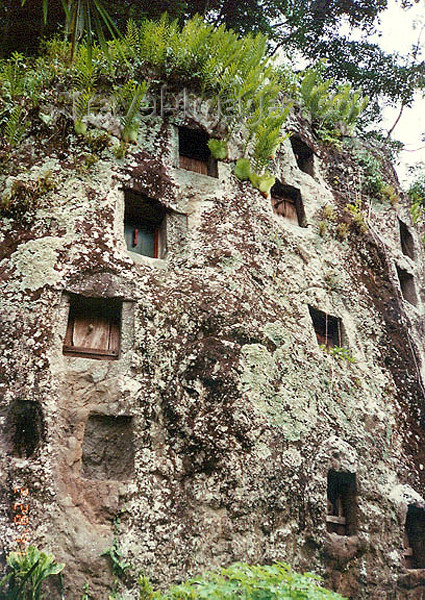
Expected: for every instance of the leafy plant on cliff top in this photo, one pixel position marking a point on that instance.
(358, 216)
(333, 107)
(371, 173)
(218, 148)
(15, 125)
(28, 570)
(417, 188)
(416, 195)
(271, 582)
(130, 97)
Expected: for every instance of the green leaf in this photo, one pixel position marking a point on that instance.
(242, 169)
(263, 183)
(218, 148)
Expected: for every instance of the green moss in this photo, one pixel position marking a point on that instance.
(35, 262)
(277, 334)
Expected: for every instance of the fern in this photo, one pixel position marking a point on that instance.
(81, 107)
(330, 106)
(129, 99)
(85, 71)
(13, 77)
(154, 41)
(267, 139)
(131, 38)
(16, 125)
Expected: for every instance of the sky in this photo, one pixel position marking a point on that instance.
(398, 34)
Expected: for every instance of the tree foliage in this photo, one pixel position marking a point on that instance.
(311, 27)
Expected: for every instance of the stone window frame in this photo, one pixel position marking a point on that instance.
(82, 310)
(160, 226)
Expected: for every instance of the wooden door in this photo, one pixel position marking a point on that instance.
(285, 207)
(193, 164)
(91, 331)
(93, 328)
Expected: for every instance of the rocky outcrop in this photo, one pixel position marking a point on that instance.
(210, 436)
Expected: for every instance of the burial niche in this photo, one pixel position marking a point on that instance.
(341, 507)
(328, 329)
(408, 288)
(304, 155)
(93, 329)
(145, 225)
(25, 427)
(407, 241)
(108, 448)
(414, 538)
(287, 203)
(194, 154)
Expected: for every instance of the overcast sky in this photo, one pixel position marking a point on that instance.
(398, 33)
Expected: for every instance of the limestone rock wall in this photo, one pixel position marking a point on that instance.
(210, 439)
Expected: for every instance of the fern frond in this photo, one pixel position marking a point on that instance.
(16, 125)
(130, 97)
(81, 108)
(13, 76)
(85, 70)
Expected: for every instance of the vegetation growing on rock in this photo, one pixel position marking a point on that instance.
(249, 93)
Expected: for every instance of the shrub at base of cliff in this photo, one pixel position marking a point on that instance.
(27, 571)
(243, 581)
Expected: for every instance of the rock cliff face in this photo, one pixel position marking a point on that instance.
(181, 406)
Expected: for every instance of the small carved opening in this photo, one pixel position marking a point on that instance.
(414, 538)
(329, 331)
(342, 504)
(108, 448)
(194, 152)
(24, 427)
(407, 241)
(408, 288)
(145, 225)
(287, 203)
(304, 155)
(93, 328)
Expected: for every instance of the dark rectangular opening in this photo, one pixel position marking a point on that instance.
(108, 448)
(328, 329)
(25, 427)
(407, 284)
(342, 504)
(287, 203)
(304, 155)
(145, 225)
(414, 538)
(407, 241)
(93, 329)
(194, 154)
